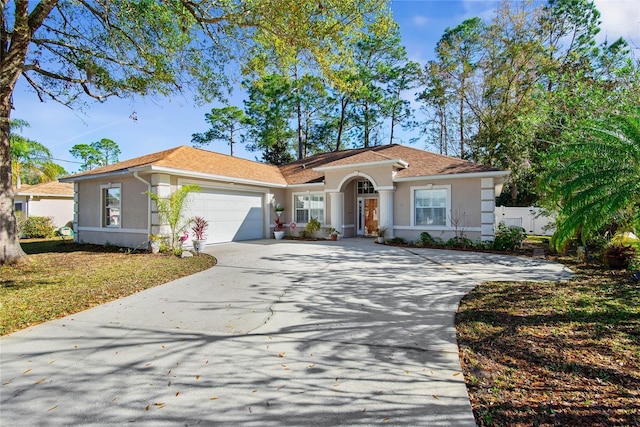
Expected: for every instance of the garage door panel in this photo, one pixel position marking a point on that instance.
(231, 215)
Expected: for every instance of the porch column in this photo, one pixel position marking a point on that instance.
(385, 218)
(488, 206)
(76, 213)
(161, 185)
(337, 211)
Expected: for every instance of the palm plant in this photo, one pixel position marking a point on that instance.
(30, 158)
(171, 210)
(596, 182)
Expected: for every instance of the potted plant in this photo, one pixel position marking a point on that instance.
(621, 250)
(154, 243)
(278, 231)
(199, 227)
(382, 232)
(617, 256)
(333, 233)
(279, 209)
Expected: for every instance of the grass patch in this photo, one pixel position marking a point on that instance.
(564, 353)
(62, 278)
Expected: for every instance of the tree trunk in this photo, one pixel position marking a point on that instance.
(301, 143)
(366, 126)
(392, 124)
(10, 249)
(343, 111)
(13, 54)
(461, 127)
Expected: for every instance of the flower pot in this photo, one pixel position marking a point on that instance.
(380, 239)
(616, 262)
(198, 245)
(279, 213)
(334, 237)
(154, 246)
(279, 235)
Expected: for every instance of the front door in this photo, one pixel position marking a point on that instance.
(368, 216)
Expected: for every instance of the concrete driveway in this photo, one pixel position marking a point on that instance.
(286, 333)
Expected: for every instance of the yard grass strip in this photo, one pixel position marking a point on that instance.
(61, 278)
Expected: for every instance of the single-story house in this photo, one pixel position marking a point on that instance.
(52, 199)
(403, 189)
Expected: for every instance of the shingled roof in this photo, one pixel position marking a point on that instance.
(411, 162)
(51, 188)
(196, 160)
(419, 163)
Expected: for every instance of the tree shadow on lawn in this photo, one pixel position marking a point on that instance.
(60, 245)
(576, 365)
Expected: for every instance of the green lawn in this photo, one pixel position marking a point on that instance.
(61, 278)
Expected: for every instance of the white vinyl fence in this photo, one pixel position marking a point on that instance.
(531, 219)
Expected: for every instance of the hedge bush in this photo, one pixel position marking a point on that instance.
(38, 227)
(508, 238)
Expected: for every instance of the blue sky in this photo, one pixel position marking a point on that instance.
(164, 123)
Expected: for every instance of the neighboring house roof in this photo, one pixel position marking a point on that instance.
(409, 163)
(191, 159)
(48, 189)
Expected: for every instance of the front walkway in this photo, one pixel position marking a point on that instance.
(285, 333)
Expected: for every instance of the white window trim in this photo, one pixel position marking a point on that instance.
(310, 193)
(447, 226)
(103, 206)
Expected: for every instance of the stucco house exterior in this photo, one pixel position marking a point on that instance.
(52, 199)
(403, 189)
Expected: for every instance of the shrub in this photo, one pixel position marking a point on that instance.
(508, 238)
(396, 241)
(21, 219)
(312, 227)
(426, 239)
(38, 227)
(459, 242)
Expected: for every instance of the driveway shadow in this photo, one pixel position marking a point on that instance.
(307, 334)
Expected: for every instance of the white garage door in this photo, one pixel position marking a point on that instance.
(232, 215)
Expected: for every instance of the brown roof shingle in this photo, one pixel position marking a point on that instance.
(420, 163)
(53, 188)
(198, 160)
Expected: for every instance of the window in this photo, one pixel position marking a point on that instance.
(366, 187)
(431, 206)
(17, 206)
(111, 206)
(309, 206)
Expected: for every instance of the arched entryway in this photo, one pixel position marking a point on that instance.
(360, 206)
(368, 210)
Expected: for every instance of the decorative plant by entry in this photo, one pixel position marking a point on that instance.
(171, 210)
(279, 207)
(199, 227)
(279, 225)
(312, 227)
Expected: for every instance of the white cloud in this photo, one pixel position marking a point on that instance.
(620, 18)
(420, 20)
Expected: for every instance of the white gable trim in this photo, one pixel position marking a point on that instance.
(391, 162)
(355, 174)
(491, 174)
